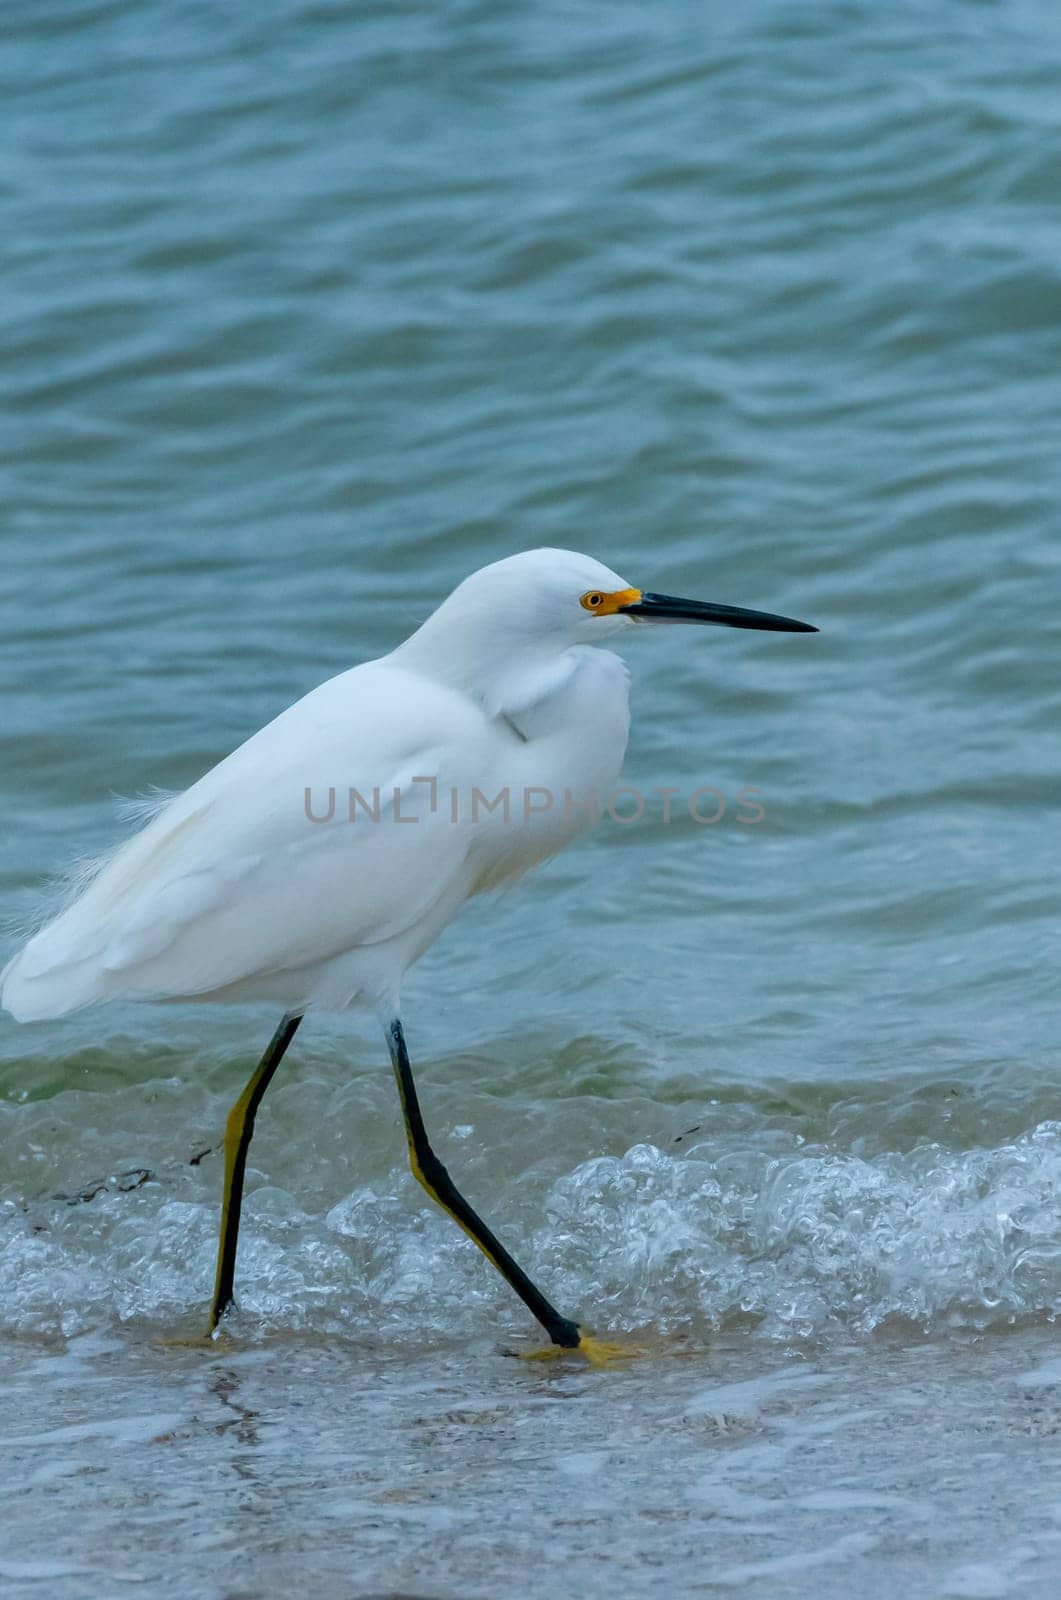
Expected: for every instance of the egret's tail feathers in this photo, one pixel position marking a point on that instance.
(58, 970)
(65, 965)
(32, 993)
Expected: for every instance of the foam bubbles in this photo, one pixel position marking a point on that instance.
(802, 1241)
(820, 1242)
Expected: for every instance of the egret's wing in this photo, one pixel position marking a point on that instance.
(321, 891)
(233, 880)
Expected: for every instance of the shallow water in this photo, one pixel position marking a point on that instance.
(309, 313)
(343, 1468)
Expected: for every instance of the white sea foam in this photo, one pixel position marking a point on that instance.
(808, 1244)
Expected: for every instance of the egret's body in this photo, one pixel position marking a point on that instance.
(233, 892)
(312, 866)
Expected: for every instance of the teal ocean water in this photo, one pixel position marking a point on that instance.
(311, 309)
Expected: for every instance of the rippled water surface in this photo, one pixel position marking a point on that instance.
(310, 310)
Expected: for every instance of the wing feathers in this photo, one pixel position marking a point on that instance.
(231, 880)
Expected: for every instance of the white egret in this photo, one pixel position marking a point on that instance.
(312, 866)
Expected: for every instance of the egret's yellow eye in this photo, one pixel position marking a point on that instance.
(606, 605)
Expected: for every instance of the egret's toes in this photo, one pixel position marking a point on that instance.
(603, 1352)
(598, 1352)
(209, 1339)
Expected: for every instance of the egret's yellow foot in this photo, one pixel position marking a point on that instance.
(598, 1352)
(601, 1352)
(210, 1339)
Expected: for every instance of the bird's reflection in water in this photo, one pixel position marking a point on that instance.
(225, 1385)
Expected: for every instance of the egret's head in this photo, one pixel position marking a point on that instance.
(515, 616)
(558, 597)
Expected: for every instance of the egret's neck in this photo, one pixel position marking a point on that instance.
(497, 666)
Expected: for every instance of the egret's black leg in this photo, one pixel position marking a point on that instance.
(429, 1171)
(238, 1131)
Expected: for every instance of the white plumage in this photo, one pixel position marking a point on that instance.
(324, 855)
(232, 892)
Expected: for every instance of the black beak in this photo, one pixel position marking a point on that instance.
(668, 608)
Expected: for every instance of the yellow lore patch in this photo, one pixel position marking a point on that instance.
(606, 605)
